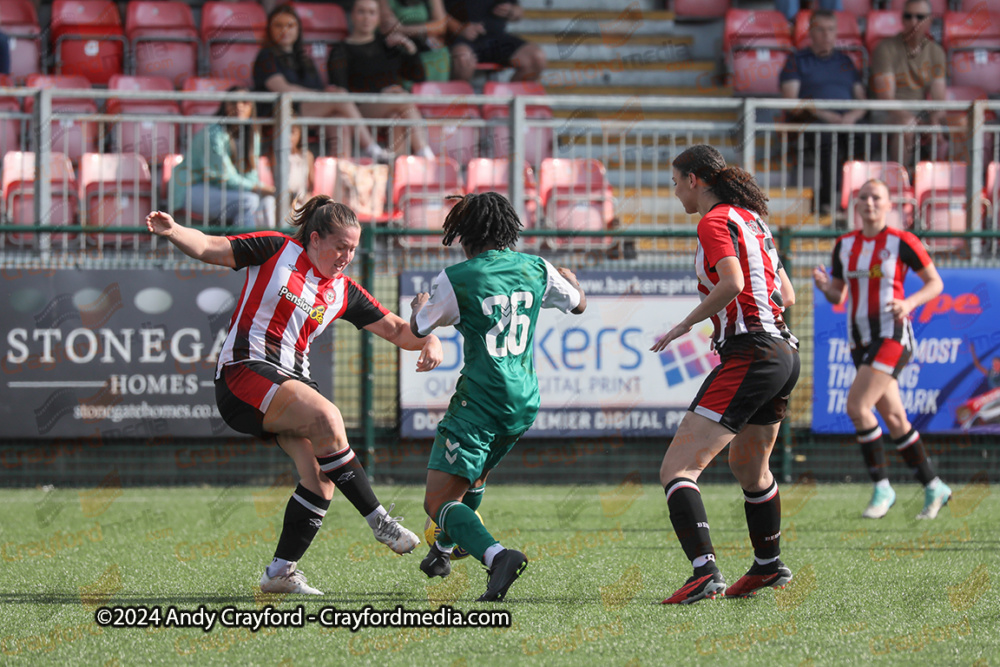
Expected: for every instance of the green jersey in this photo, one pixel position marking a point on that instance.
(494, 299)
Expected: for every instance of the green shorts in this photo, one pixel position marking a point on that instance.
(467, 450)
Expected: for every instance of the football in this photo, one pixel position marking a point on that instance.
(431, 532)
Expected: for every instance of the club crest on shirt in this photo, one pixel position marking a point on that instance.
(329, 296)
(884, 254)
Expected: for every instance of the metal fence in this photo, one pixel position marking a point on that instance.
(641, 226)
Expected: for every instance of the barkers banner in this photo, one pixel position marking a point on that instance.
(596, 374)
(951, 385)
(118, 353)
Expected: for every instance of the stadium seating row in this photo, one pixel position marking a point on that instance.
(937, 197)
(718, 8)
(117, 190)
(155, 139)
(158, 38)
(757, 43)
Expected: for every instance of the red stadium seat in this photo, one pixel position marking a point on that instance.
(493, 175)
(19, 21)
(18, 192)
(940, 191)
(848, 37)
(116, 190)
(72, 137)
(881, 24)
(164, 39)
(756, 45)
(232, 33)
(576, 196)
(938, 7)
(972, 42)
(150, 139)
(538, 141)
(894, 175)
(420, 188)
(700, 9)
(10, 128)
(198, 84)
(87, 39)
(453, 138)
(322, 23)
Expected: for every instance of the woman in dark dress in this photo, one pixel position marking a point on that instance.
(368, 62)
(283, 66)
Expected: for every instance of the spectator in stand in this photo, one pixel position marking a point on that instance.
(483, 38)
(426, 24)
(300, 167)
(221, 167)
(821, 72)
(791, 7)
(909, 66)
(4, 54)
(283, 66)
(367, 62)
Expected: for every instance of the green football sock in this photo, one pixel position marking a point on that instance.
(461, 522)
(472, 499)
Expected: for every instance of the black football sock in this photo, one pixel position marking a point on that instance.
(303, 519)
(873, 452)
(763, 510)
(911, 448)
(687, 514)
(344, 470)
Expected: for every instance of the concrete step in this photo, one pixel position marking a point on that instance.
(610, 25)
(645, 206)
(694, 74)
(594, 48)
(666, 91)
(601, 5)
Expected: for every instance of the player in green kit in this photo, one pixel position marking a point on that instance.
(493, 299)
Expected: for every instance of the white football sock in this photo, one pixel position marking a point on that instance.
(491, 553)
(372, 518)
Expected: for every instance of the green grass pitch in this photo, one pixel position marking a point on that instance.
(893, 591)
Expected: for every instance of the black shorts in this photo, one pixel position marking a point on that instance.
(497, 49)
(244, 392)
(751, 385)
(883, 354)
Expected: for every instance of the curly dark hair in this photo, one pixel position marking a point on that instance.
(730, 184)
(321, 214)
(482, 220)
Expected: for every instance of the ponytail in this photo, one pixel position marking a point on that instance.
(730, 184)
(323, 215)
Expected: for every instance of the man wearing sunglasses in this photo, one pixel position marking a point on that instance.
(909, 66)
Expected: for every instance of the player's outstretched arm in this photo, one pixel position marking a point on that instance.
(396, 330)
(192, 242)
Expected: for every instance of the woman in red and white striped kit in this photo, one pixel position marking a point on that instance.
(295, 287)
(744, 290)
(871, 264)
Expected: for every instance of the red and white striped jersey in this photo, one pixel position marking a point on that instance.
(874, 270)
(730, 231)
(286, 303)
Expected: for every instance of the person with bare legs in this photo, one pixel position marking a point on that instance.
(295, 288)
(870, 265)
